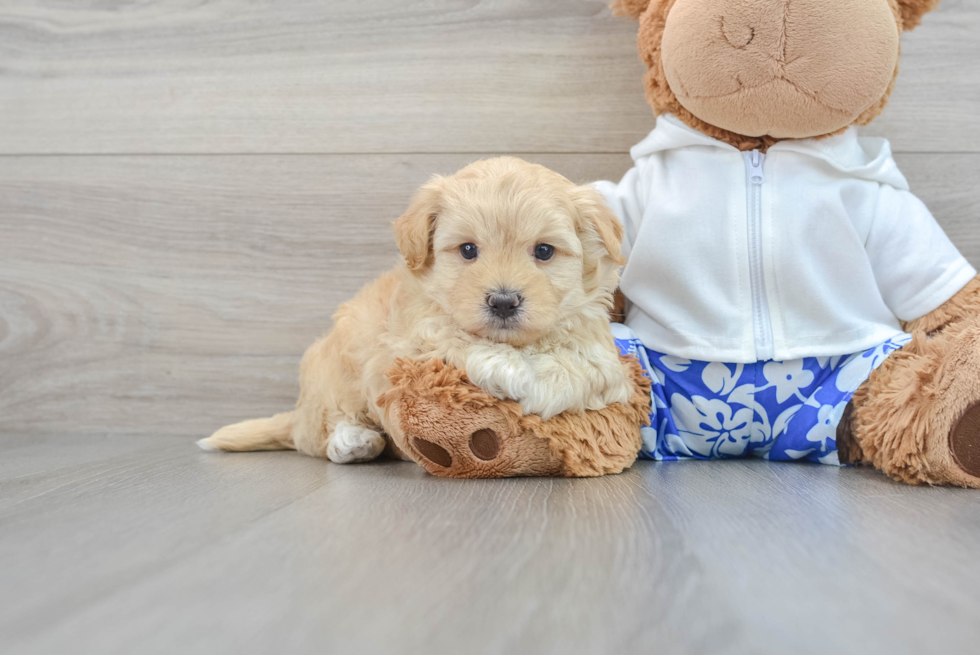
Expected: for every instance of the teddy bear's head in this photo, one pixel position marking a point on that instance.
(753, 72)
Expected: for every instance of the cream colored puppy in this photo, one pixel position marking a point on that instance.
(508, 273)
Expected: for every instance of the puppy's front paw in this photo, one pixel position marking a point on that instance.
(547, 402)
(350, 443)
(556, 389)
(619, 391)
(501, 372)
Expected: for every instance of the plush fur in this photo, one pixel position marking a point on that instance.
(450, 427)
(904, 416)
(554, 354)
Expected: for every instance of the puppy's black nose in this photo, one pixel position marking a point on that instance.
(504, 304)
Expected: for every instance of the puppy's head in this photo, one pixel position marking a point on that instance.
(512, 251)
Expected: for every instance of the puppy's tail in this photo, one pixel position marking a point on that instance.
(274, 433)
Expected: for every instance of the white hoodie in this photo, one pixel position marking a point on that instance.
(814, 249)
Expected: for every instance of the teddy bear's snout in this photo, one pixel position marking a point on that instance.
(787, 69)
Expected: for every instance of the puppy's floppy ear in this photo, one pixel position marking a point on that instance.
(914, 10)
(599, 229)
(629, 8)
(415, 228)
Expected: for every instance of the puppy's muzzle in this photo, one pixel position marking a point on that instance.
(504, 304)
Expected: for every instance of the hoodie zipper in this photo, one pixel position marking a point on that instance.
(761, 318)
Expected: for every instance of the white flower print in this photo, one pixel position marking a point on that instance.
(789, 378)
(745, 395)
(854, 372)
(830, 458)
(826, 428)
(650, 436)
(720, 379)
(675, 364)
(782, 421)
(710, 427)
(857, 369)
(826, 363)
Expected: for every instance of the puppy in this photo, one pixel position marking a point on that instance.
(509, 272)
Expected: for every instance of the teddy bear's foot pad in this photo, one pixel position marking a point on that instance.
(481, 451)
(483, 445)
(433, 452)
(964, 441)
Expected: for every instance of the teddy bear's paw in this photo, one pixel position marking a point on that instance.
(918, 418)
(453, 429)
(487, 452)
(964, 441)
(484, 445)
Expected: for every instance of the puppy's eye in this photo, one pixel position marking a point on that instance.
(543, 252)
(469, 251)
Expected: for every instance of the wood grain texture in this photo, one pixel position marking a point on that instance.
(170, 550)
(146, 295)
(163, 549)
(385, 76)
(153, 289)
(871, 566)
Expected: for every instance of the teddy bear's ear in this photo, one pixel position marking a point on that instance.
(629, 8)
(914, 10)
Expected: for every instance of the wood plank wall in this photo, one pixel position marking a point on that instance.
(189, 189)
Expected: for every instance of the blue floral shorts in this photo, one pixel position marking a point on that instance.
(773, 410)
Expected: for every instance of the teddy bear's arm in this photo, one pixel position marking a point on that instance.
(964, 304)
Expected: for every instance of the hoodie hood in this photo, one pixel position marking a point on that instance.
(855, 157)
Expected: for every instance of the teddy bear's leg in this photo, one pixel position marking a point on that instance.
(469, 441)
(918, 416)
(435, 417)
(453, 429)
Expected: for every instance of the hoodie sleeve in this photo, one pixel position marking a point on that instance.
(628, 201)
(916, 265)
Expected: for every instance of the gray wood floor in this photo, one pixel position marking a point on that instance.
(187, 192)
(140, 544)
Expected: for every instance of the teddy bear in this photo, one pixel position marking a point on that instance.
(788, 297)
(793, 298)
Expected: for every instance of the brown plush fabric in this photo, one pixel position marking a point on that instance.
(453, 429)
(912, 11)
(904, 416)
(807, 91)
(964, 304)
(629, 8)
(620, 307)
